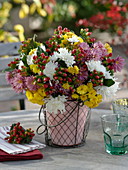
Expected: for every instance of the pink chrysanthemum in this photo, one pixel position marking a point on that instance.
(99, 51)
(29, 81)
(118, 64)
(18, 83)
(95, 52)
(10, 76)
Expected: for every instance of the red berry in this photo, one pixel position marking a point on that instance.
(97, 77)
(45, 86)
(56, 78)
(65, 75)
(39, 80)
(46, 79)
(69, 80)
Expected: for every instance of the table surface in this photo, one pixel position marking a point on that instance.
(91, 156)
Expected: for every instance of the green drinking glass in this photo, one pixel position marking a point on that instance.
(115, 130)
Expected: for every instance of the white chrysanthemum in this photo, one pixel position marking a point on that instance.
(50, 69)
(96, 65)
(64, 55)
(55, 56)
(108, 76)
(43, 47)
(73, 39)
(55, 104)
(20, 65)
(108, 92)
(32, 53)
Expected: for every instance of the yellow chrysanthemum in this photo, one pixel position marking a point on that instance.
(66, 86)
(82, 89)
(89, 104)
(32, 51)
(65, 38)
(99, 97)
(75, 96)
(41, 91)
(36, 96)
(34, 68)
(73, 70)
(80, 40)
(29, 94)
(94, 101)
(70, 34)
(107, 46)
(83, 97)
(91, 93)
(90, 85)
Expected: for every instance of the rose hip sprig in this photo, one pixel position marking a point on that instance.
(19, 135)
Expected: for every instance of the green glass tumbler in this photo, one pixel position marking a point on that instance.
(115, 130)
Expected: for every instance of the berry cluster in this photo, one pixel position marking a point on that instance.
(13, 64)
(19, 135)
(26, 46)
(96, 78)
(107, 61)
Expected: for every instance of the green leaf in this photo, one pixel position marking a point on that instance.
(8, 69)
(62, 63)
(108, 82)
(24, 59)
(40, 50)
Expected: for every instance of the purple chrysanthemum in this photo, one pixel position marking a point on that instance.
(29, 81)
(99, 51)
(84, 46)
(118, 64)
(83, 75)
(94, 52)
(86, 51)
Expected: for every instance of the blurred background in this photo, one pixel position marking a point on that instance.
(107, 19)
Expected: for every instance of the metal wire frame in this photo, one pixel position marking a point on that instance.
(45, 123)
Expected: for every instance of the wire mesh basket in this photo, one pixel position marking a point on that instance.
(68, 129)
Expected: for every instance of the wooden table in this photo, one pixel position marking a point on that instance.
(92, 156)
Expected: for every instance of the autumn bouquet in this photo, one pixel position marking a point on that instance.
(67, 66)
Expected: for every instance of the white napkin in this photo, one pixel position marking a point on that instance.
(16, 148)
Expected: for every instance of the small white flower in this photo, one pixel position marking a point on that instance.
(30, 59)
(108, 76)
(64, 55)
(32, 53)
(55, 56)
(73, 39)
(55, 104)
(50, 69)
(20, 64)
(108, 92)
(95, 65)
(43, 47)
